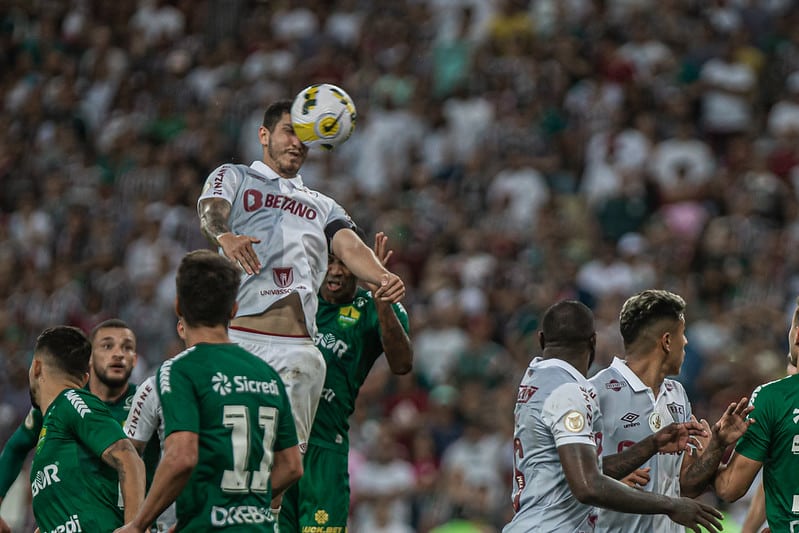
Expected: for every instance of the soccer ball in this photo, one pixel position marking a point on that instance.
(323, 115)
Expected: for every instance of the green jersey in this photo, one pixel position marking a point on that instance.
(774, 441)
(24, 439)
(238, 406)
(349, 338)
(73, 488)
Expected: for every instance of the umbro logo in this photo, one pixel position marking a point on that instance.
(630, 420)
(796, 416)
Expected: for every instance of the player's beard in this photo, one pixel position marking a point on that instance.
(112, 383)
(34, 403)
(282, 169)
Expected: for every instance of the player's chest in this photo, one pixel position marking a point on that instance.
(293, 205)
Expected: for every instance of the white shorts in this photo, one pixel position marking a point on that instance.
(301, 367)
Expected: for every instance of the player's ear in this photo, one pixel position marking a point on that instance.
(665, 342)
(85, 379)
(235, 308)
(541, 340)
(263, 135)
(36, 367)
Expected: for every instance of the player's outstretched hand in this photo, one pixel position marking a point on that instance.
(638, 478)
(733, 423)
(391, 289)
(382, 253)
(692, 514)
(4, 528)
(238, 248)
(675, 436)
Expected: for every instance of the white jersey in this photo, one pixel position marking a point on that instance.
(144, 419)
(555, 406)
(294, 224)
(631, 413)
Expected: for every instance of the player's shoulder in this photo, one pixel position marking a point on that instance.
(82, 402)
(675, 387)
(605, 376)
(778, 389)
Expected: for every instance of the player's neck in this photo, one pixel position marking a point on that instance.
(50, 390)
(648, 370)
(207, 335)
(106, 392)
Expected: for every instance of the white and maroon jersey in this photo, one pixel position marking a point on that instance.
(631, 412)
(555, 406)
(295, 225)
(144, 419)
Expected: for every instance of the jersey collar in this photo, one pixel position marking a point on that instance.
(632, 378)
(261, 168)
(560, 363)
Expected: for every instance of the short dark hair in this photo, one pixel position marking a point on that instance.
(207, 284)
(567, 322)
(66, 348)
(116, 323)
(275, 112)
(646, 309)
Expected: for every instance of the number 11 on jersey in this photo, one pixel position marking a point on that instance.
(238, 480)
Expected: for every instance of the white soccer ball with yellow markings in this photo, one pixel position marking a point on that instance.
(323, 115)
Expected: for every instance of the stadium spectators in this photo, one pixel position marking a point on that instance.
(604, 115)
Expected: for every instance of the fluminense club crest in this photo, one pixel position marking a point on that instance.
(283, 276)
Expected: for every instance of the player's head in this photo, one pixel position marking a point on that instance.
(340, 284)
(61, 352)
(207, 284)
(283, 151)
(568, 328)
(793, 338)
(113, 352)
(654, 321)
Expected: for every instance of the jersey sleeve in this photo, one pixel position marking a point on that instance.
(223, 183)
(286, 431)
(178, 399)
(337, 219)
(568, 415)
(16, 449)
(754, 443)
(143, 417)
(92, 423)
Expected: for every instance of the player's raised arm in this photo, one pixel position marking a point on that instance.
(125, 459)
(396, 342)
(362, 261)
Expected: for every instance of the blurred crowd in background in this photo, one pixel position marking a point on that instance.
(516, 152)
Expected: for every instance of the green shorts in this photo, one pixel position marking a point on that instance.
(320, 501)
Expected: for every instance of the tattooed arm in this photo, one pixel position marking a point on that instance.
(130, 468)
(670, 439)
(214, 213)
(698, 472)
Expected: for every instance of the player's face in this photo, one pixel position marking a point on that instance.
(33, 372)
(793, 338)
(283, 150)
(113, 355)
(678, 341)
(340, 284)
